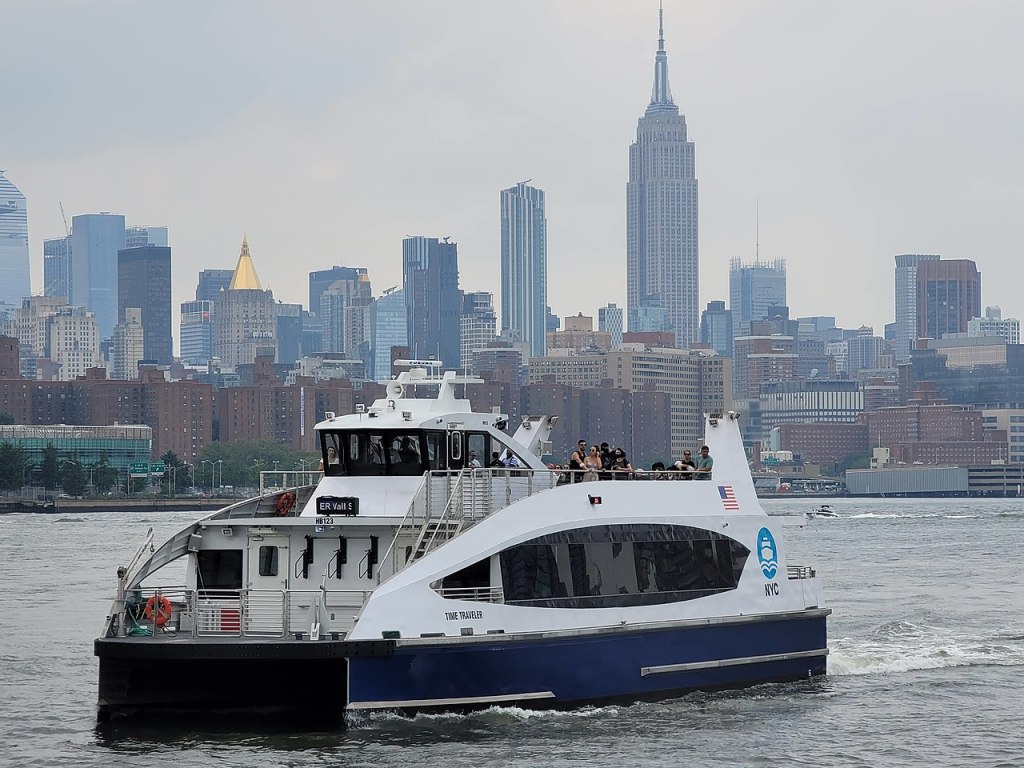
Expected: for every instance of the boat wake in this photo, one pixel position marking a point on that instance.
(491, 715)
(904, 647)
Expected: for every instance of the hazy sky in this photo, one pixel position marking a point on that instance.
(327, 131)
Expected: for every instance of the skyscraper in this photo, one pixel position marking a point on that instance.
(212, 283)
(906, 302)
(716, 328)
(753, 290)
(196, 332)
(57, 267)
(477, 325)
(144, 282)
(609, 320)
(433, 301)
(524, 265)
(136, 237)
(661, 214)
(322, 279)
(385, 328)
(244, 318)
(128, 345)
(948, 296)
(95, 240)
(339, 307)
(14, 270)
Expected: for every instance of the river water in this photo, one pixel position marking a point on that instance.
(926, 664)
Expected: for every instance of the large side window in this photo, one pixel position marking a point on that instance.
(620, 565)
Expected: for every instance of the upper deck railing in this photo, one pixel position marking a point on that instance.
(450, 501)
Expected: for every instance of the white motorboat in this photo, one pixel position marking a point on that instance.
(825, 510)
(407, 578)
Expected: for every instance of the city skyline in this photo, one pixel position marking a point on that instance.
(838, 120)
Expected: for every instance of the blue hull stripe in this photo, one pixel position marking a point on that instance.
(572, 670)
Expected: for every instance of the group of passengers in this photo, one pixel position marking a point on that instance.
(596, 463)
(604, 463)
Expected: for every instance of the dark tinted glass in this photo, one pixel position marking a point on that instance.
(621, 565)
(220, 568)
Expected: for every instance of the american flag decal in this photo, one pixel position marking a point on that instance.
(728, 497)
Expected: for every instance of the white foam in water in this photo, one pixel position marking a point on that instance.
(357, 719)
(904, 647)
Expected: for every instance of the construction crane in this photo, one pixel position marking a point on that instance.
(67, 229)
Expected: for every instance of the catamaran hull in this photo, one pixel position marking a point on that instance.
(589, 668)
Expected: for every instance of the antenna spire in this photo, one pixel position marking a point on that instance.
(661, 27)
(661, 95)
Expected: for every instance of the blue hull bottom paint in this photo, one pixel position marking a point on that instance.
(568, 671)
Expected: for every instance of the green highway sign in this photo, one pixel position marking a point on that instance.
(139, 468)
(157, 469)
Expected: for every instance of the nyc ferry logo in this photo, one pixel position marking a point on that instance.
(767, 553)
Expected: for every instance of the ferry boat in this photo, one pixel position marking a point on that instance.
(409, 578)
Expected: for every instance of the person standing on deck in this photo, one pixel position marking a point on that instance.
(704, 464)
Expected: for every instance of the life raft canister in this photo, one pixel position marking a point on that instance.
(285, 503)
(158, 609)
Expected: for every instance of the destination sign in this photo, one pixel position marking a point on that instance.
(337, 505)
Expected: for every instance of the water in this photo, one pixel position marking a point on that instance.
(926, 665)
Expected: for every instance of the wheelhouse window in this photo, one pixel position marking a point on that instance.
(620, 565)
(384, 452)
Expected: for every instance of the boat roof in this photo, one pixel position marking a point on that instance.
(401, 408)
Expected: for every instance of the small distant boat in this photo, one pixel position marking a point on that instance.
(825, 510)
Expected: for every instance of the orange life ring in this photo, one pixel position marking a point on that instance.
(159, 609)
(284, 504)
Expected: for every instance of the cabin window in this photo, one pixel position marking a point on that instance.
(219, 568)
(378, 453)
(365, 453)
(620, 565)
(476, 444)
(435, 450)
(333, 452)
(268, 561)
(405, 455)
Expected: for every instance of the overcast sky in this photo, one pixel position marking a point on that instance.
(328, 131)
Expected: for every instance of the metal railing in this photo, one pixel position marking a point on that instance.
(479, 594)
(448, 502)
(256, 613)
(799, 572)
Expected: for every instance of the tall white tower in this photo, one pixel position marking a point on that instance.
(524, 265)
(661, 215)
(14, 268)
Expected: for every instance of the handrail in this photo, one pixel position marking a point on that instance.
(799, 572)
(455, 496)
(238, 612)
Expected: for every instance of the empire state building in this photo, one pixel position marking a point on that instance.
(662, 282)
